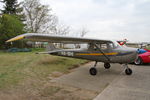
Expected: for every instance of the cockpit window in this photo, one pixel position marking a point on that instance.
(103, 46)
(110, 45)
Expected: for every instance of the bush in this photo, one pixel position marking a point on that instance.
(10, 26)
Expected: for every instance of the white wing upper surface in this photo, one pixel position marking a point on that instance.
(56, 39)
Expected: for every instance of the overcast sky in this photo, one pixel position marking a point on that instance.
(106, 19)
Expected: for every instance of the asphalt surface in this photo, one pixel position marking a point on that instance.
(81, 78)
(111, 84)
(134, 87)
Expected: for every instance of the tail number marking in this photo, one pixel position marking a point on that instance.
(67, 53)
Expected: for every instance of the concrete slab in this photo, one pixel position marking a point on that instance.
(134, 87)
(81, 78)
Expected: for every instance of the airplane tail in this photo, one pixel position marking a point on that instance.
(49, 49)
(123, 42)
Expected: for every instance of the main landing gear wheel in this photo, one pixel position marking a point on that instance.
(128, 71)
(107, 65)
(93, 71)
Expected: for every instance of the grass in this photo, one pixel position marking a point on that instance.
(16, 67)
(37, 49)
(49, 91)
(148, 48)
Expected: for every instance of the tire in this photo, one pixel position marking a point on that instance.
(138, 61)
(93, 71)
(128, 71)
(107, 65)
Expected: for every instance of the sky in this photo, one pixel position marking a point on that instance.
(105, 19)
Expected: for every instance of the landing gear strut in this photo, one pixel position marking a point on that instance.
(93, 70)
(128, 70)
(107, 65)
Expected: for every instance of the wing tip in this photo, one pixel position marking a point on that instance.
(15, 39)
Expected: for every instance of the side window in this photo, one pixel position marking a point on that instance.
(103, 46)
(110, 45)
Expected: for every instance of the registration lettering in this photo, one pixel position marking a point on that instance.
(67, 53)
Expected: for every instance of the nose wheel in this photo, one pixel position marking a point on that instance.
(128, 70)
(93, 70)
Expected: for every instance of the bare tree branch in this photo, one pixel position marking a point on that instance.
(39, 17)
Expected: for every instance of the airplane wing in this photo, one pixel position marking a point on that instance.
(56, 39)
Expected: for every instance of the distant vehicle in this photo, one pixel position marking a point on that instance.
(143, 57)
(19, 50)
(105, 51)
(143, 54)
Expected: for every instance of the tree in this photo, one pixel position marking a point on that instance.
(82, 32)
(10, 27)
(61, 30)
(39, 18)
(12, 7)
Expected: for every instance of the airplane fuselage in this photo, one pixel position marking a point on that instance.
(118, 55)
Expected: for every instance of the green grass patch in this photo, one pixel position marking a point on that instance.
(148, 48)
(16, 67)
(37, 49)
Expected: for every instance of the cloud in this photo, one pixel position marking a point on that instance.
(111, 19)
(1, 6)
(107, 18)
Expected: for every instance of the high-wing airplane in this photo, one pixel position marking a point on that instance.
(98, 50)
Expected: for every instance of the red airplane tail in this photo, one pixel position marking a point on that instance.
(122, 42)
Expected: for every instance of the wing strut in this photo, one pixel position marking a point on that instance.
(102, 52)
